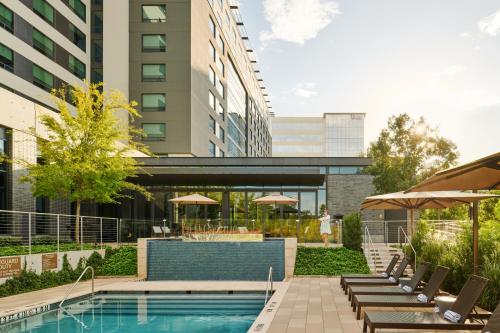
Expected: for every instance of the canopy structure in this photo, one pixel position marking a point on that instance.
(194, 199)
(421, 200)
(482, 174)
(275, 199)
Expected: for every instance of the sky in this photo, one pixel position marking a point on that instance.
(436, 59)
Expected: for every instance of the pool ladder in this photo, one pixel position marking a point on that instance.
(69, 292)
(269, 286)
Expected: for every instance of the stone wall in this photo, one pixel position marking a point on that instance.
(345, 193)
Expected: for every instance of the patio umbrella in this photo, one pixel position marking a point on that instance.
(193, 199)
(274, 199)
(482, 174)
(421, 200)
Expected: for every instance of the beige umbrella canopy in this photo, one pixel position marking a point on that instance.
(194, 199)
(483, 174)
(421, 200)
(275, 199)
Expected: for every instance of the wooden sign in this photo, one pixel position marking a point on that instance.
(10, 266)
(49, 261)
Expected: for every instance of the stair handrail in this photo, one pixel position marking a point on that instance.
(269, 284)
(78, 280)
(367, 239)
(407, 242)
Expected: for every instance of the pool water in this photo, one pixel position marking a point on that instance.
(179, 313)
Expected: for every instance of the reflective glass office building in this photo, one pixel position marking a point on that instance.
(336, 183)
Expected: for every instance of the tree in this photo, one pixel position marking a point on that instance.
(406, 152)
(86, 155)
(352, 231)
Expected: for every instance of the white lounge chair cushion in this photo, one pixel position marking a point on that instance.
(422, 298)
(392, 279)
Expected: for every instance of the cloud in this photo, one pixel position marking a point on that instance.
(490, 25)
(305, 90)
(464, 35)
(446, 73)
(297, 21)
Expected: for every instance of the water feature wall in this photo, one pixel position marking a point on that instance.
(248, 261)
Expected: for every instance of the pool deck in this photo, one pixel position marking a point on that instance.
(318, 305)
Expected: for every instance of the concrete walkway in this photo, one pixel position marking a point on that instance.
(318, 305)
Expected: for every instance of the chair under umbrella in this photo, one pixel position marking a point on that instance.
(274, 199)
(482, 174)
(421, 200)
(193, 199)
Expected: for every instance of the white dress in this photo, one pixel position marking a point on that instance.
(325, 225)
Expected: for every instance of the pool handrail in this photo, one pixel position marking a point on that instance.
(269, 292)
(78, 280)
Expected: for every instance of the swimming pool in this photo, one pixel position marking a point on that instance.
(144, 313)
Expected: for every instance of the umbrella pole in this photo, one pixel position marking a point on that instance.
(475, 235)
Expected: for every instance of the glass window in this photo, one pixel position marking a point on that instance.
(211, 26)
(153, 43)
(307, 204)
(43, 9)
(79, 8)
(97, 51)
(6, 18)
(220, 41)
(43, 43)
(220, 110)
(42, 78)
(154, 131)
(211, 76)
(220, 88)
(222, 134)
(76, 67)
(211, 124)
(220, 65)
(153, 102)
(154, 13)
(76, 36)
(96, 75)
(153, 72)
(6, 58)
(211, 100)
(211, 149)
(97, 22)
(211, 51)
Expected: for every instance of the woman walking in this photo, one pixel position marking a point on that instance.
(325, 229)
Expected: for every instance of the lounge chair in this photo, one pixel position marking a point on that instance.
(166, 230)
(382, 281)
(388, 271)
(243, 230)
(462, 306)
(157, 230)
(493, 324)
(404, 287)
(414, 301)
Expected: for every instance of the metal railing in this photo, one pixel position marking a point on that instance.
(370, 249)
(407, 243)
(76, 282)
(269, 286)
(31, 232)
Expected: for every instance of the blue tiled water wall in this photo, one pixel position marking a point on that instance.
(250, 261)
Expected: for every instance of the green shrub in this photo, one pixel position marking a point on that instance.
(322, 261)
(120, 261)
(10, 241)
(491, 271)
(352, 232)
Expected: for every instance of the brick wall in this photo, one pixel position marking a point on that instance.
(346, 193)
